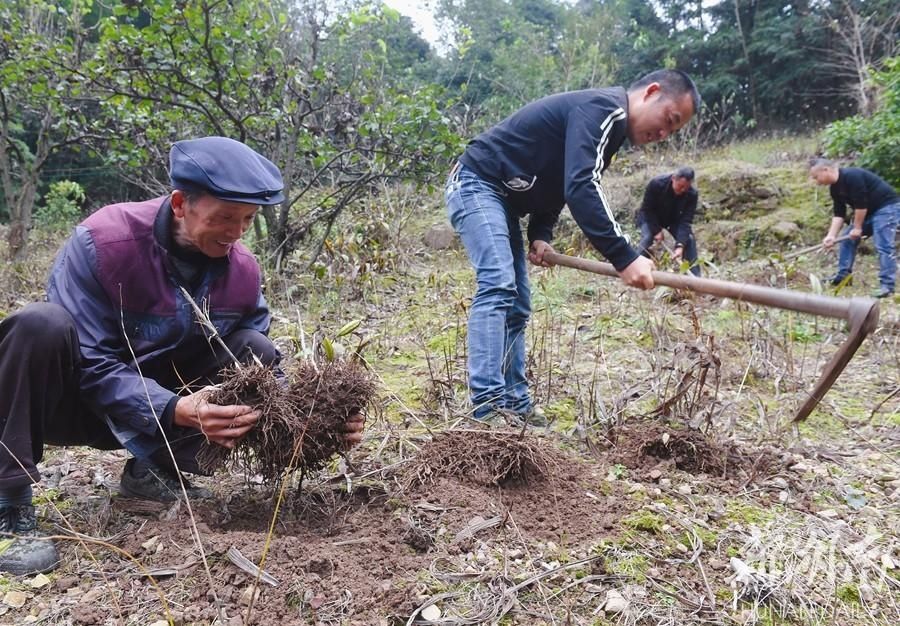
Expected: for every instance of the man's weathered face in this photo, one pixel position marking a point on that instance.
(823, 175)
(210, 225)
(653, 115)
(680, 185)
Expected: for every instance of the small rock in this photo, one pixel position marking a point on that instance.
(829, 514)
(38, 581)
(783, 497)
(592, 588)
(440, 237)
(431, 613)
(866, 593)
(684, 490)
(615, 603)
(30, 619)
(15, 599)
(150, 543)
(785, 230)
(654, 572)
(779, 483)
(656, 492)
(66, 582)
(635, 591)
(551, 565)
(715, 514)
(665, 483)
(681, 548)
(252, 593)
(887, 562)
(718, 563)
(801, 467)
(655, 474)
(93, 594)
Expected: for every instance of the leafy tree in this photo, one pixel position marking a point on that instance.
(311, 90)
(510, 52)
(43, 106)
(860, 35)
(874, 141)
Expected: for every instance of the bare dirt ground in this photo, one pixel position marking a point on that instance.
(658, 496)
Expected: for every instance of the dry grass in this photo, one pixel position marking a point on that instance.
(486, 457)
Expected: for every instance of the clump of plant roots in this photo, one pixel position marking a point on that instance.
(487, 457)
(302, 420)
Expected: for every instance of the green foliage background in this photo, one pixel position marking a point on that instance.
(873, 141)
(345, 96)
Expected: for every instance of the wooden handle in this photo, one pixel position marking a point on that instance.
(861, 313)
(828, 306)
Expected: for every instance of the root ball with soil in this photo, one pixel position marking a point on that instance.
(303, 417)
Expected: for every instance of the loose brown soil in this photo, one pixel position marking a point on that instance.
(647, 444)
(344, 557)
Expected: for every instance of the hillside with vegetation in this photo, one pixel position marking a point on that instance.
(672, 486)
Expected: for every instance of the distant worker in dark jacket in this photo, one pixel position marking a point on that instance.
(876, 213)
(548, 154)
(670, 202)
(98, 365)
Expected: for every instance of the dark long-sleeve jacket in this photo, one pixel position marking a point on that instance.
(860, 189)
(553, 152)
(662, 208)
(117, 280)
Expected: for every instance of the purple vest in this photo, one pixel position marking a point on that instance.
(133, 267)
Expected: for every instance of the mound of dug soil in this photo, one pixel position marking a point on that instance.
(645, 444)
(484, 457)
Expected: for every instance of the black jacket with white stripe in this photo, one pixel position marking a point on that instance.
(552, 153)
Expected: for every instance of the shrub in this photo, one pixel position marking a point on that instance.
(873, 142)
(62, 205)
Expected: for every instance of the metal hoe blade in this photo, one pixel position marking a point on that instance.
(860, 313)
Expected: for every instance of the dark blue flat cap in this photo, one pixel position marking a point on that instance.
(226, 169)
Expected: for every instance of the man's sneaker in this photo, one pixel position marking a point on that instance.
(536, 417)
(495, 418)
(883, 293)
(840, 279)
(158, 484)
(23, 550)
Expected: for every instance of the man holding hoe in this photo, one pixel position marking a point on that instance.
(550, 153)
(875, 208)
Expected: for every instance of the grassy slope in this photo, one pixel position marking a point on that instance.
(601, 354)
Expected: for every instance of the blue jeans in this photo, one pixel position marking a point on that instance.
(502, 303)
(690, 248)
(881, 227)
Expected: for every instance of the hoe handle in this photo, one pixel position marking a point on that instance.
(861, 313)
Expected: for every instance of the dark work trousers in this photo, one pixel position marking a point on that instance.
(40, 400)
(690, 248)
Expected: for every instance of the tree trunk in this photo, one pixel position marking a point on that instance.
(20, 219)
(16, 240)
(751, 79)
